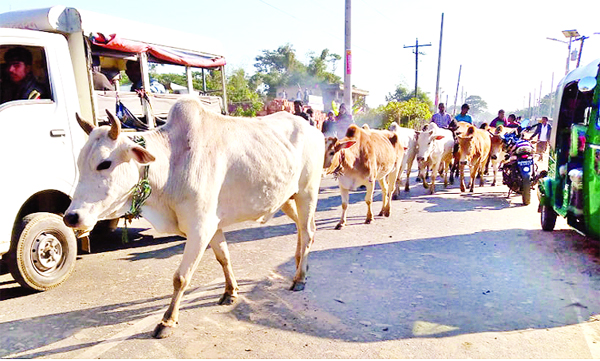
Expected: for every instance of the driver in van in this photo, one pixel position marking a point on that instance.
(21, 84)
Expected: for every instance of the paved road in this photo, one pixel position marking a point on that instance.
(448, 275)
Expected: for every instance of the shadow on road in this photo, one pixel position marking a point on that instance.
(435, 287)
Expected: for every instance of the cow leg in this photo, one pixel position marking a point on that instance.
(345, 194)
(474, 170)
(194, 249)
(495, 171)
(481, 179)
(408, 168)
(433, 176)
(397, 182)
(385, 204)
(219, 246)
(306, 204)
(461, 168)
(369, 201)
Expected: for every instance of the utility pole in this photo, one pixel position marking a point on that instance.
(457, 86)
(581, 48)
(416, 46)
(437, 81)
(348, 59)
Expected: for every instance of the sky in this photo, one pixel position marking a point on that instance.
(500, 47)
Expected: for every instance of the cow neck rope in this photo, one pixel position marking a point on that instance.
(139, 194)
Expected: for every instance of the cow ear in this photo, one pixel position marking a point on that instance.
(84, 124)
(141, 155)
(344, 145)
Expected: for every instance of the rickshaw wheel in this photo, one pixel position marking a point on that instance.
(548, 218)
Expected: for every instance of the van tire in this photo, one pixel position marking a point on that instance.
(43, 252)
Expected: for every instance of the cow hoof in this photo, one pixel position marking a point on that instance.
(368, 221)
(380, 214)
(407, 189)
(339, 226)
(162, 331)
(298, 286)
(227, 299)
(386, 214)
(493, 184)
(394, 197)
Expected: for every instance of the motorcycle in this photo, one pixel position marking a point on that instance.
(519, 171)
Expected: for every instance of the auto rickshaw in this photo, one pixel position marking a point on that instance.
(572, 187)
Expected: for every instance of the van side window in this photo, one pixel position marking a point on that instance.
(23, 73)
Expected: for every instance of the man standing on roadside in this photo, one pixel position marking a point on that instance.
(441, 119)
(542, 130)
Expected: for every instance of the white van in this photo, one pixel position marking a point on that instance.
(41, 136)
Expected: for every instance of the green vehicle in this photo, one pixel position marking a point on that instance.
(572, 187)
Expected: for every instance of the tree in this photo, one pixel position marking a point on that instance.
(476, 105)
(403, 94)
(247, 101)
(317, 67)
(411, 113)
(281, 68)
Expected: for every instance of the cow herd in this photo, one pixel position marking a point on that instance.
(205, 171)
(365, 155)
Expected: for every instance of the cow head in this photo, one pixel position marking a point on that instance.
(334, 146)
(496, 148)
(329, 151)
(465, 145)
(109, 166)
(425, 141)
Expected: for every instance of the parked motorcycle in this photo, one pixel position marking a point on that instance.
(519, 171)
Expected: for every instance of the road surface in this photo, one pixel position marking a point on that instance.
(448, 275)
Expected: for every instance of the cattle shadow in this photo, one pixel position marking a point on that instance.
(23, 335)
(113, 241)
(436, 287)
(485, 201)
(421, 288)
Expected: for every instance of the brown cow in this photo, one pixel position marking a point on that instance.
(496, 150)
(474, 148)
(360, 158)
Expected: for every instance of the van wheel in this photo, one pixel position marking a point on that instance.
(548, 217)
(43, 252)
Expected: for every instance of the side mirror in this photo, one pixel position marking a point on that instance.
(586, 84)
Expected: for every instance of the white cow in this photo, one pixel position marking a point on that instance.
(206, 171)
(434, 150)
(408, 139)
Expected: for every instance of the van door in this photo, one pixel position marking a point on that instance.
(37, 146)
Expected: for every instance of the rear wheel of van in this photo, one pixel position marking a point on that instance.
(43, 252)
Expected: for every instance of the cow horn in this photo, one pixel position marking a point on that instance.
(84, 124)
(115, 126)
